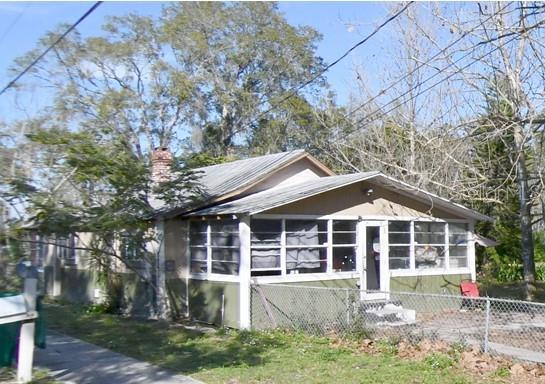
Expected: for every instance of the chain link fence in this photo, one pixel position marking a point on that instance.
(498, 326)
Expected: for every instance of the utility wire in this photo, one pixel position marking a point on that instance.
(452, 74)
(12, 24)
(33, 63)
(294, 91)
(427, 62)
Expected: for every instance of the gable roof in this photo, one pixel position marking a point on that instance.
(227, 180)
(269, 199)
(222, 180)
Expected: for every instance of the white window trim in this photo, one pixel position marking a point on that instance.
(303, 277)
(214, 277)
(328, 246)
(346, 275)
(209, 275)
(70, 242)
(429, 272)
(446, 270)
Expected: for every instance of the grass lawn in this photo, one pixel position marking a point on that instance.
(248, 357)
(7, 375)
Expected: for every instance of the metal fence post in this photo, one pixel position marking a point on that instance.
(487, 325)
(347, 307)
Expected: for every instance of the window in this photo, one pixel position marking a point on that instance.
(344, 245)
(214, 247)
(266, 239)
(429, 251)
(433, 241)
(457, 245)
(198, 242)
(399, 240)
(297, 246)
(225, 247)
(306, 246)
(65, 249)
(131, 246)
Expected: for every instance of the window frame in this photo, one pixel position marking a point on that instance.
(469, 269)
(208, 274)
(65, 249)
(328, 246)
(446, 269)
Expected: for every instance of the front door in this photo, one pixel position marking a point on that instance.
(375, 273)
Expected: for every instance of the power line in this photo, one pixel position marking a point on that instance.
(452, 74)
(12, 82)
(294, 91)
(12, 24)
(442, 51)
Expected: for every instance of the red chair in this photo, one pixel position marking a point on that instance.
(469, 288)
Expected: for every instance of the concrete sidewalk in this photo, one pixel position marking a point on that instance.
(74, 361)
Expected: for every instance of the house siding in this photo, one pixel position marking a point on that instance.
(353, 202)
(290, 307)
(441, 284)
(302, 170)
(205, 302)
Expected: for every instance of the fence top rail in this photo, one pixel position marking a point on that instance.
(402, 293)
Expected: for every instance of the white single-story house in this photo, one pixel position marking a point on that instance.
(286, 218)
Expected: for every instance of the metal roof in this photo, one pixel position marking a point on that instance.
(275, 197)
(221, 179)
(265, 200)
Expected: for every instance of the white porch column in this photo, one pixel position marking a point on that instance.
(384, 258)
(244, 273)
(471, 251)
(162, 298)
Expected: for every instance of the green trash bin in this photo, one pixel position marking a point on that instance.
(9, 334)
(39, 332)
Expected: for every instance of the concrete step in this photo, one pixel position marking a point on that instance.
(387, 313)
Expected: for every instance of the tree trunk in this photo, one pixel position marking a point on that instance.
(527, 241)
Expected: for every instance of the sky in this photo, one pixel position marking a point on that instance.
(341, 24)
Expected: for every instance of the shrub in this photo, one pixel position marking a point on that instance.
(509, 272)
(439, 361)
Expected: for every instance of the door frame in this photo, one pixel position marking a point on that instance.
(384, 266)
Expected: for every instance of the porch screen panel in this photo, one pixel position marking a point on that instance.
(306, 246)
(399, 240)
(429, 251)
(198, 246)
(344, 245)
(266, 240)
(225, 247)
(457, 245)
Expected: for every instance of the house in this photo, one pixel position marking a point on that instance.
(286, 218)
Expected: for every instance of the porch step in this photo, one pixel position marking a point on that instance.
(387, 312)
(378, 303)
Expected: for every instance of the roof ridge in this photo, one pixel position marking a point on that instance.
(280, 154)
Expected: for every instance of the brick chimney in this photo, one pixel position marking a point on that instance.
(161, 160)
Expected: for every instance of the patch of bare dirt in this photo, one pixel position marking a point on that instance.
(467, 359)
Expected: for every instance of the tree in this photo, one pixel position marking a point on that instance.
(425, 126)
(493, 157)
(201, 69)
(244, 58)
